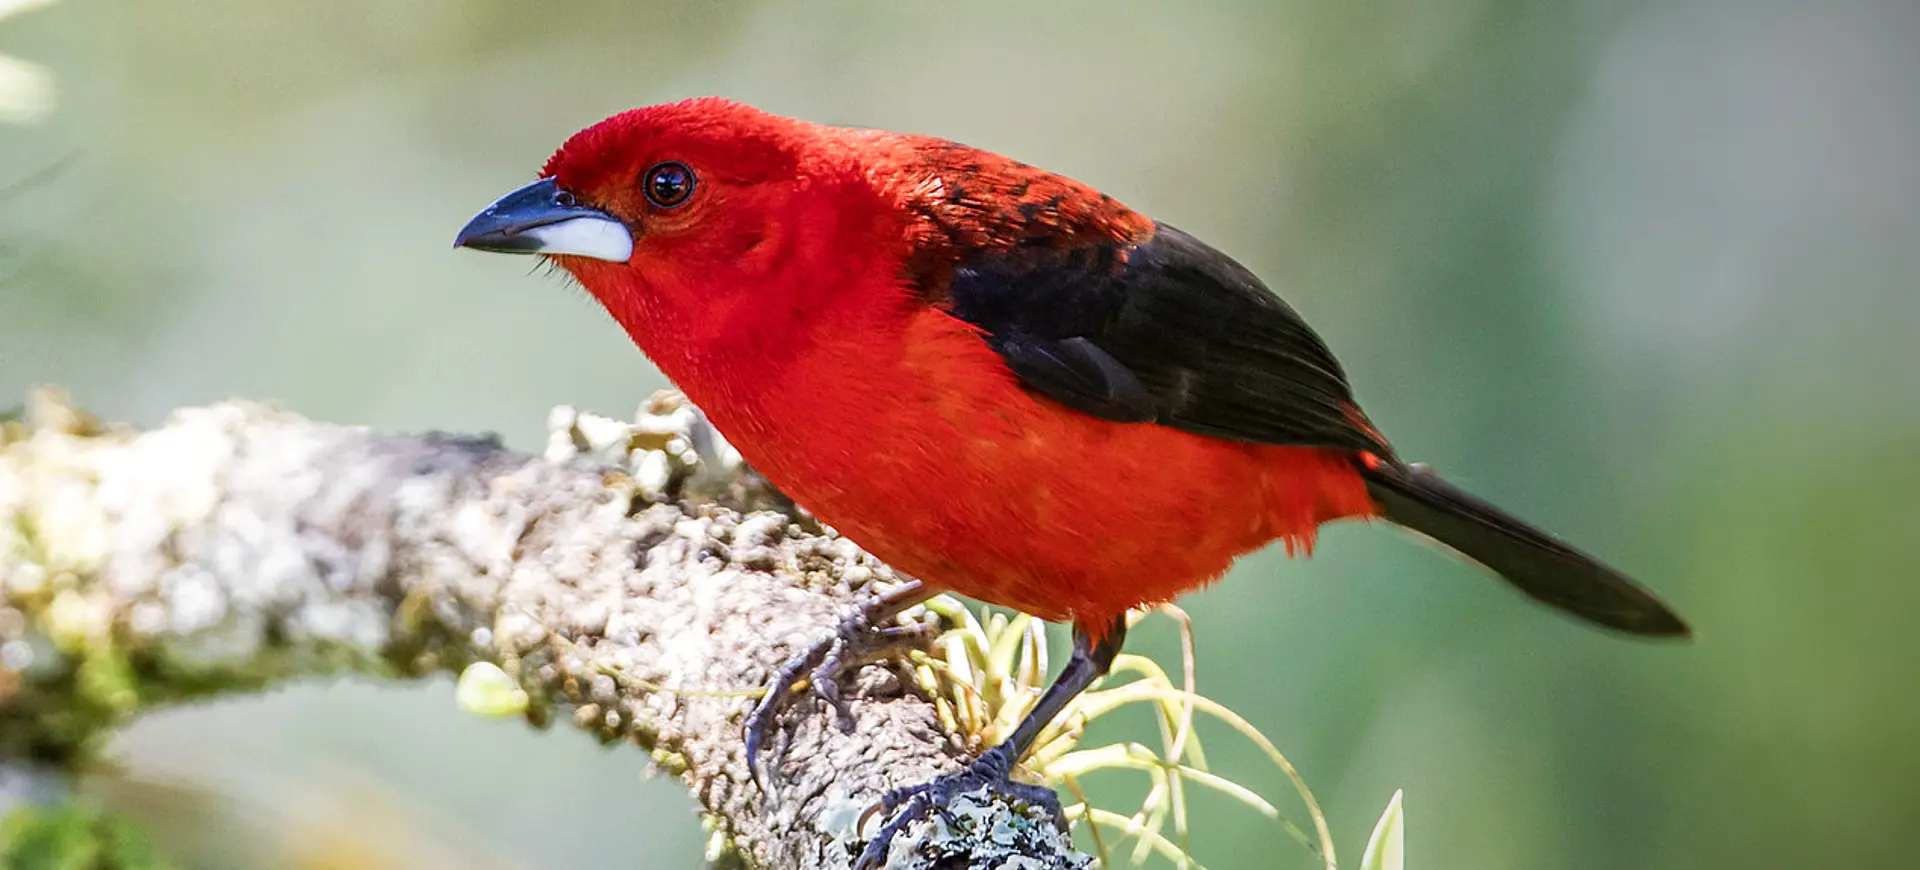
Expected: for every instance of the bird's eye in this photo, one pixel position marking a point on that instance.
(668, 185)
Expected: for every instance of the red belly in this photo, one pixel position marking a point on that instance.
(935, 459)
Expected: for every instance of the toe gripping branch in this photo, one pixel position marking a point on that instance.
(861, 637)
(993, 770)
(867, 634)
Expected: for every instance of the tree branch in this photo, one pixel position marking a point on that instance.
(238, 546)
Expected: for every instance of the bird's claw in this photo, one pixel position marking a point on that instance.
(990, 772)
(855, 642)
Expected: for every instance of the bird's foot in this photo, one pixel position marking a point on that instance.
(860, 638)
(990, 772)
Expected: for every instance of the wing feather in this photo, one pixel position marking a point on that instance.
(1165, 330)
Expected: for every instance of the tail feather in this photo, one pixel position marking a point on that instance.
(1532, 560)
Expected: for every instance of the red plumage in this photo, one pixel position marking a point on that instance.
(995, 378)
(795, 328)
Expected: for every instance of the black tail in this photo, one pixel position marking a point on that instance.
(1536, 562)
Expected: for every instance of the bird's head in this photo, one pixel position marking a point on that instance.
(689, 217)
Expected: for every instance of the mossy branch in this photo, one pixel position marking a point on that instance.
(237, 547)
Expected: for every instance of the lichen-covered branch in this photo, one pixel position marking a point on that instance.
(238, 546)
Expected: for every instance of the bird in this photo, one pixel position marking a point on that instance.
(999, 380)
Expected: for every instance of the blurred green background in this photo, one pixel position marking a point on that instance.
(1645, 272)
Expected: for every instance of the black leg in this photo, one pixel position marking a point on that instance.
(991, 770)
(858, 638)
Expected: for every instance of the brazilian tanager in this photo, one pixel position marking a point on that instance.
(997, 379)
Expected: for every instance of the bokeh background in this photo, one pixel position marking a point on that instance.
(1644, 271)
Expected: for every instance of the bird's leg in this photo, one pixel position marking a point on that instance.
(858, 639)
(993, 769)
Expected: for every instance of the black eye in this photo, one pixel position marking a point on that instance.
(668, 184)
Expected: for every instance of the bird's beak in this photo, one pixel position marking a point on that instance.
(542, 218)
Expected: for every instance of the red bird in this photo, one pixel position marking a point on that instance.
(997, 379)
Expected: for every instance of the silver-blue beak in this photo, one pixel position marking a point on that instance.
(543, 218)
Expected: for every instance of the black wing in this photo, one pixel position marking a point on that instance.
(1166, 330)
(1171, 331)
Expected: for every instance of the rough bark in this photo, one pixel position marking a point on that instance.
(238, 546)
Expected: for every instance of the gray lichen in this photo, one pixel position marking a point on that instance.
(238, 546)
